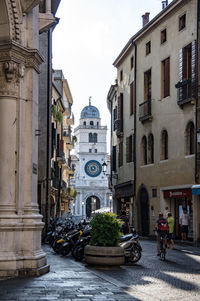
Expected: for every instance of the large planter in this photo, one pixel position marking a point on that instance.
(104, 256)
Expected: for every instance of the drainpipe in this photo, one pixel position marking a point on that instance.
(135, 117)
(196, 96)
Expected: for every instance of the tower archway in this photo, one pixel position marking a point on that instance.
(92, 204)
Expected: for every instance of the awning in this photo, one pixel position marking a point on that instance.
(196, 189)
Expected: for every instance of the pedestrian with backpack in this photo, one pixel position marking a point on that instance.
(162, 229)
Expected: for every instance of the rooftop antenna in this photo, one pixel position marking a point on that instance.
(90, 100)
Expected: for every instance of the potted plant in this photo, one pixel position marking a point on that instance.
(103, 248)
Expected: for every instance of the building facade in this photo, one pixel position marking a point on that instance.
(89, 180)
(62, 143)
(166, 114)
(20, 222)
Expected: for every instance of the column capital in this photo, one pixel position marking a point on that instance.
(18, 54)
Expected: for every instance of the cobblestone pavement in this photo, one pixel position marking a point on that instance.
(178, 278)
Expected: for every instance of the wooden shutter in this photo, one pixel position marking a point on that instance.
(121, 111)
(166, 77)
(132, 98)
(180, 93)
(193, 70)
(127, 150)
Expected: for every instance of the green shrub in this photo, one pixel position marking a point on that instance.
(105, 230)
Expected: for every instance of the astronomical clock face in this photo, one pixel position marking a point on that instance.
(93, 168)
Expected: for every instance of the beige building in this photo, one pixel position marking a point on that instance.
(62, 143)
(166, 116)
(20, 221)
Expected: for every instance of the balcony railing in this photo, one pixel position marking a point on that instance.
(145, 111)
(184, 92)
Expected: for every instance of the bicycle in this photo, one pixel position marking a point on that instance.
(163, 245)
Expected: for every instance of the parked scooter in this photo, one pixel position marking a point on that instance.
(132, 248)
(78, 250)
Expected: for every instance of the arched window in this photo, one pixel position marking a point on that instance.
(90, 137)
(144, 150)
(91, 122)
(190, 138)
(150, 149)
(95, 137)
(164, 145)
(84, 123)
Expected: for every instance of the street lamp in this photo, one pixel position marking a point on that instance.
(104, 166)
(82, 208)
(110, 199)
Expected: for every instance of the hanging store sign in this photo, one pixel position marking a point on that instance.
(178, 193)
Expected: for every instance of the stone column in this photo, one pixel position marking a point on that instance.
(20, 221)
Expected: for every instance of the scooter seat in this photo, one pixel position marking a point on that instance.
(126, 237)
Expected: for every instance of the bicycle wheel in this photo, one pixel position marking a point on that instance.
(162, 254)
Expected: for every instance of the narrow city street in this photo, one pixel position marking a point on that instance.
(178, 278)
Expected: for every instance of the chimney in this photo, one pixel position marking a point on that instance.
(145, 19)
(164, 3)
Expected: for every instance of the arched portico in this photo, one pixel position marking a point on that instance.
(20, 221)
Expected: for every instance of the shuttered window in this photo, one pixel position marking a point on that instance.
(132, 98)
(166, 78)
(120, 157)
(114, 158)
(120, 110)
(147, 85)
(129, 149)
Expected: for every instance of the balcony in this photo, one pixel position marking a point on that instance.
(60, 156)
(118, 127)
(145, 111)
(184, 91)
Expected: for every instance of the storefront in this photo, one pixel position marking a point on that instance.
(124, 194)
(176, 200)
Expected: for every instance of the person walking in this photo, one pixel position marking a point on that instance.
(126, 223)
(162, 228)
(170, 221)
(185, 219)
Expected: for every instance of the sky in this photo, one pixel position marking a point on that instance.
(89, 37)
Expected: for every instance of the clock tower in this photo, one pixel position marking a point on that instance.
(89, 180)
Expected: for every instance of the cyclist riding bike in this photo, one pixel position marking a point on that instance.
(162, 231)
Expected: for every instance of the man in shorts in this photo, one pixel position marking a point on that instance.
(185, 219)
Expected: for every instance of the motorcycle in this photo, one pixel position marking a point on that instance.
(78, 250)
(132, 248)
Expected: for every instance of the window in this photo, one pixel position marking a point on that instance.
(148, 47)
(144, 150)
(90, 150)
(120, 157)
(190, 138)
(91, 122)
(121, 75)
(115, 113)
(151, 149)
(120, 110)
(165, 78)
(131, 63)
(114, 154)
(92, 137)
(154, 192)
(182, 22)
(164, 145)
(163, 36)
(132, 98)
(84, 123)
(129, 149)
(95, 150)
(147, 85)
(95, 137)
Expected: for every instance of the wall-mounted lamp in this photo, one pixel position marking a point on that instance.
(104, 166)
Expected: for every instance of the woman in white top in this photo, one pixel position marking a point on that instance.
(184, 224)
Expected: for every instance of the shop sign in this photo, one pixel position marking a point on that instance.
(178, 193)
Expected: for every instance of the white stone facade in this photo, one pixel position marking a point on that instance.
(89, 180)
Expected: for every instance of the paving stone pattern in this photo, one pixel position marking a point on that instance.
(178, 278)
